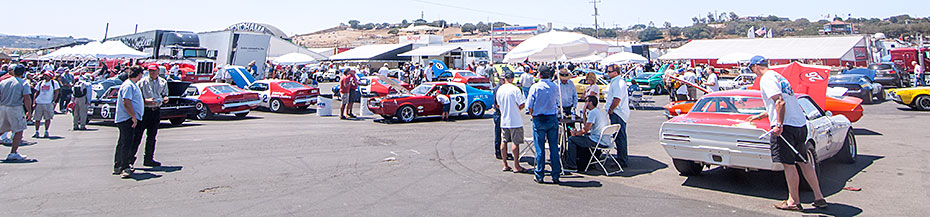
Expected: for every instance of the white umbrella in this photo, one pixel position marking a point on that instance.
(551, 46)
(588, 59)
(735, 58)
(624, 58)
(294, 59)
(116, 49)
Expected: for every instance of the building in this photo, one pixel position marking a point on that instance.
(375, 54)
(839, 28)
(830, 51)
(241, 43)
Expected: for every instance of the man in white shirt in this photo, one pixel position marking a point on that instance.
(383, 71)
(711, 82)
(618, 102)
(510, 102)
(789, 128)
(44, 109)
(526, 81)
(588, 136)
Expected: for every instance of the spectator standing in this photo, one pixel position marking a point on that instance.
(568, 94)
(592, 89)
(526, 81)
(384, 71)
(712, 80)
(66, 80)
(618, 101)
(81, 98)
(154, 94)
(542, 102)
(347, 86)
(129, 112)
(919, 71)
(47, 90)
(14, 93)
(510, 101)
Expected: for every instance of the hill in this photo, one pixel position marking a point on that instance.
(34, 42)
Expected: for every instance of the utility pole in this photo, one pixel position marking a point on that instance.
(596, 31)
(136, 30)
(105, 31)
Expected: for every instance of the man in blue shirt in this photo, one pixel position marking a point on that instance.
(568, 93)
(129, 104)
(542, 102)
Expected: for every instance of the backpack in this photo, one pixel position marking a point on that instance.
(79, 91)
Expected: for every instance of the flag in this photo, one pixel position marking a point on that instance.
(761, 32)
(751, 32)
(768, 34)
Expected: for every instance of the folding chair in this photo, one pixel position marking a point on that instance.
(528, 146)
(610, 131)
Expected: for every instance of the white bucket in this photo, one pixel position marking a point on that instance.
(364, 108)
(324, 104)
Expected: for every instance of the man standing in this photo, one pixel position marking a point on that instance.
(568, 92)
(526, 81)
(711, 82)
(543, 106)
(14, 93)
(66, 79)
(154, 93)
(346, 89)
(129, 112)
(81, 93)
(510, 102)
(384, 71)
(789, 128)
(618, 101)
(47, 89)
(919, 71)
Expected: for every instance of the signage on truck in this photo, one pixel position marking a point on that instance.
(861, 53)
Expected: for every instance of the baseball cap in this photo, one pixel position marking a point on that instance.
(19, 69)
(153, 68)
(758, 60)
(507, 75)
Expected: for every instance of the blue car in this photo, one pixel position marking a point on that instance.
(858, 85)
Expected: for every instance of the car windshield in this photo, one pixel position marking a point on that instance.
(223, 89)
(880, 67)
(844, 79)
(730, 104)
(644, 76)
(291, 85)
(380, 81)
(422, 89)
(467, 74)
(505, 69)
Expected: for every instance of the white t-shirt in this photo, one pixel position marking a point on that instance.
(618, 89)
(526, 80)
(598, 121)
(442, 99)
(384, 71)
(773, 84)
(509, 98)
(592, 90)
(712, 78)
(46, 91)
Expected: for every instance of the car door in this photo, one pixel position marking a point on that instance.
(458, 100)
(820, 127)
(263, 92)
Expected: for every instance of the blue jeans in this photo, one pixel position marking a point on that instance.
(497, 133)
(578, 145)
(621, 139)
(526, 91)
(546, 128)
(920, 81)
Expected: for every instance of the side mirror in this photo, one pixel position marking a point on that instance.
(829, 114)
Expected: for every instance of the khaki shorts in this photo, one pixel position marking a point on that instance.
(12, 119)
(512, 135)
(43, 112)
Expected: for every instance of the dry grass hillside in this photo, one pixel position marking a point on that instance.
(348, 38)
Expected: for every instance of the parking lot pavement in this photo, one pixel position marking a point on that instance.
(274, 164)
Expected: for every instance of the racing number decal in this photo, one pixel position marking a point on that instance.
(264, 98)
(459, 103)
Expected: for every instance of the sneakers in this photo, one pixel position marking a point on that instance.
(822, 203)
(5, 140)
(126, 173)
(15, 156)
(151, 163)
(46, 134)
(35, 135)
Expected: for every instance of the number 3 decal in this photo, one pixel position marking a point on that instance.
(459, 103)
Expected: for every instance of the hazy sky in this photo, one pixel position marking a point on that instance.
(89, 18)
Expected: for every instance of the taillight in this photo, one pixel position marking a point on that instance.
(891, 72)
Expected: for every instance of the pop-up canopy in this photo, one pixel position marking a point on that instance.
(805, 79)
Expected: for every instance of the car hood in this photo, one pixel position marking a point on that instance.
(720, 119)
(177, 88)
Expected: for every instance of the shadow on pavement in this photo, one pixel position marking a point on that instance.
(144, 176)
(53, 137)
(166, 125)
(19, 161)
(639, 165)
(835, 209)
(586, 184)
(23, 144)
(865, 132)
(166, 169)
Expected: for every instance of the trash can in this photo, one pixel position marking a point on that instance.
(324, 105)
(364, 107)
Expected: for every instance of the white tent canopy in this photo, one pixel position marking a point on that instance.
(294, 59)
(771, 48)
(116, 49)
(588, 59)
(735, 58)
(624, 58)
(554, 45)
(110, 49)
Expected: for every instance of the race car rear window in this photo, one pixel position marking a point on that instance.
(421, 90)
(291, 85)
(222, 89)
(734, 104)
(467, 74)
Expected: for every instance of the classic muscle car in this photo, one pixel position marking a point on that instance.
(280, 94)
(102, 105)
(471, 79)
(220, 98)
(422, 101)
(916, 97)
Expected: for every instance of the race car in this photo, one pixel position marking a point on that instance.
(374, 86)
(915, 97)
(471, 79)
(220, 98)
(102, 106)
(581, 86)
(715, 132)
(277, 95)
(422, 101)
(651, 81)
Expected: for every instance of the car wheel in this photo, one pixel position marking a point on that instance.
(203, 112)
(849, 151)
(276, 105)
(242, 115)
(687, 168)
(178, 121)
(476, 110)
(319, 79)
(922, 103)
(881, 94)
(867, 97)
(812, 156)
(337, 79)
(406, 114)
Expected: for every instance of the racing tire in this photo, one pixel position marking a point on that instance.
(276, 105)
(406, 114)
(867, 98)
(658, 90)
(319, 79)
(177, 121)
(881, 94)
(849, 151)
(812, 155)
(203, 112)
(242, 115)
(922, 103)
(687, 168)
(337, 79)
(476, 110)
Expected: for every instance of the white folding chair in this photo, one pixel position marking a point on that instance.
(528, 146)
(610, 131)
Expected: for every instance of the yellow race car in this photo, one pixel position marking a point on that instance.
(916, 97)
(580, 86)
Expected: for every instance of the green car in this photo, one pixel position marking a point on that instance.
(651, 81)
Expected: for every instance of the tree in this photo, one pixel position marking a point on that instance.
(674, 32)
(698, 31)
(393, 31)
(733, 16)
(667, 25)
(649, 34)
(638, 27)
(711, 18)
(468, 27)
(354, 24)
(368, 26)
(483, 27)
(438, 23)
(500, 24)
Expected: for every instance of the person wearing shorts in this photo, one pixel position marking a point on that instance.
(14, 93)
(45, 107)
(445, 104)
(510, 100)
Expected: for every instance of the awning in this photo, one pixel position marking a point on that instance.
(770, 48)
(430, 51)
(374, 52)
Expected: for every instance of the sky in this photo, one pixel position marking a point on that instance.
(89, 18)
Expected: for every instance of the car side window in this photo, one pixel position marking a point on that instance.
(258, 87)
(455, 90)
(192, 91)
(811, 111)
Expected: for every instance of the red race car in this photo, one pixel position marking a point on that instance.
(279, 94)
(471, 79)
(373, 86)
(220, 98)
(422, 101)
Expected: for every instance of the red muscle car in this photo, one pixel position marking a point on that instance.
(220, 98)
(471, 79)
(279, 94)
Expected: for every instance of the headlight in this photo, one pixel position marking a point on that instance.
(864, 85)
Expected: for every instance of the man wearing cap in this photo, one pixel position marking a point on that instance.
(789, 128)
(618, 108)
(712, 80)
(509, 102)
(919, 72)
(154, 94)
(14, 93)
(543, 102)
(81, 98)
(47, 90)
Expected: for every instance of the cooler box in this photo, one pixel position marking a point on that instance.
(324, 105)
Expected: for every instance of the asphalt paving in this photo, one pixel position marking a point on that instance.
(301, 164)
